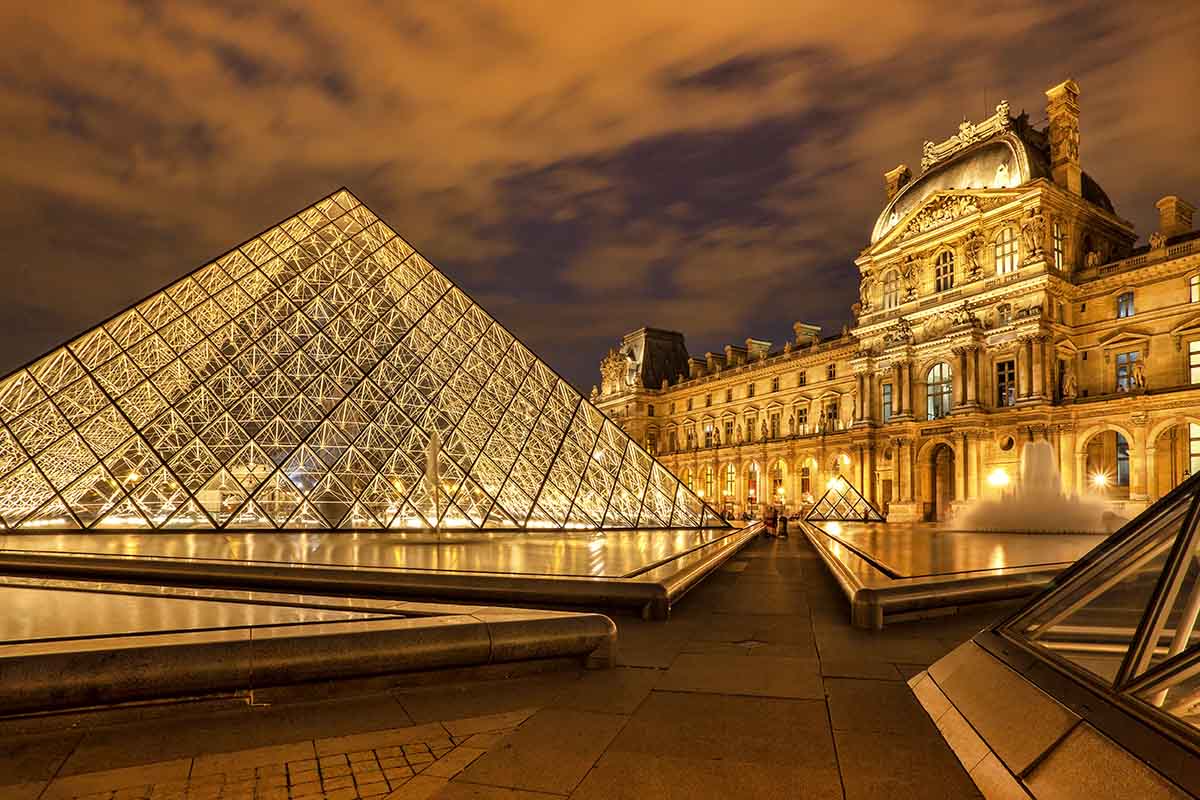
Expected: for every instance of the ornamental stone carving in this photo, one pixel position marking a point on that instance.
(1158, 240)
(1137, 376)
(900, 333)
(968, 133)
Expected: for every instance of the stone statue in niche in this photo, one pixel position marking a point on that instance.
(973, 252)
(1138, 374)
(791, 424)
(764, 430)
(1070, 384)
(1033, 229)
(739, 433)
(910, 269)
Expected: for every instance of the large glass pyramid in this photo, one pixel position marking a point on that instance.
(843, 503)
(1125, 616)
(321, 375)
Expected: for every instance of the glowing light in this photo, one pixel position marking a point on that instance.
(700, 493)
(845, 458)
(1100, 480)
(837, 484)
(998, 478)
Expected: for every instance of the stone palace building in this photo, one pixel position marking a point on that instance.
(1002, 300)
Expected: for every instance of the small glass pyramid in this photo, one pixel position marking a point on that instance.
(321, 375)
(1125, 616)
(843, 503)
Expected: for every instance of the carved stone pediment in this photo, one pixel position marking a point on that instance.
(968, 134)
(944, 208)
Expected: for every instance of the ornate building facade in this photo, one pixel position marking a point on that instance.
(1002, 300)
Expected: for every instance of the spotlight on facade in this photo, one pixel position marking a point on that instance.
(845, 458)
(998, 478)
(1100, 480)
(837, 484)
(700, 493)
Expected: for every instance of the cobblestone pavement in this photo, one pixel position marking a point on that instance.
(756, 687)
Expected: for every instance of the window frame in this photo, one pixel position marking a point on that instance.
(943, 271)
(1125, 306)
(1123, 364)
(886, 401)
(1006, 251)
(1006, 383)
(939, 402)
(1058, 239)
(891, 289)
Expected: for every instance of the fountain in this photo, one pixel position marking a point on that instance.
(1037, 504)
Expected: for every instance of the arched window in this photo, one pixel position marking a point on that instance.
(778, 473)
(1006, 251)
(730, 480)
(752, 486)
(944, 271)
(687, 480)
(891, 289)
(805, 480)
(710, 483)
(938, 388)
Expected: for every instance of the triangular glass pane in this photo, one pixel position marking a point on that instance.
(63, 461)
(190, 515)
(50, 517)
(306, 517)
(124, 516)
(250, 517)
(160, 496)
(278, 497)
(332, 500)
(1092, 618)
(91, 497)
(221, 496)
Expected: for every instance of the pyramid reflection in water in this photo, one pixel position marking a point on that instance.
(297, 382)
(843, 503)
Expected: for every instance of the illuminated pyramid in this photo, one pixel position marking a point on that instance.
(843, 503)
(322, 375)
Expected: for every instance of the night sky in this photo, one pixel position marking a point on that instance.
(580, 169)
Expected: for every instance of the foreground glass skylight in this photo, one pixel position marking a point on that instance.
(322, 375)
(1125, 616)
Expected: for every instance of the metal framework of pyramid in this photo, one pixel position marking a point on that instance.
(843, 503)
(321, 375)
(1124, 617)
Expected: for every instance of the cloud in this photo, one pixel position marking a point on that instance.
(583, 171)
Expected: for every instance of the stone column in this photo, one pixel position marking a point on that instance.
(976, 477)
(960, 480)
(859, 398)
(972, 375)
(895, 498)
(1080, 469)
(1038, 382)
(904, 467)
(1022, 365)
(1151, 474)
(906, 388)
(1066, 461)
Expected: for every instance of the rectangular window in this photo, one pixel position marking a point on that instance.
(672, 407)
(1006, 251)
(729, 395)
(729, 430)
(886, 405)
(802, 419)
(830, 372)
(689, 404)
(805, 480)
(1193, 448)
(802, 378)
(775, 425)
(1194, 362)
(652, 442)
(708, 434)
(691, 437)
(730, 480)
(751, 421)
(750, 390)
(1060, 241)
(1003, 314)
(944, 271)
(1194, 289)
(1125, 362)
(831, 416)
(775, 384)
(1006, 383)
(707, 400)
(650, 410)
(1125, 305)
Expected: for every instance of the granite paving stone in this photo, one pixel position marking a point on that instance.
(737, 675)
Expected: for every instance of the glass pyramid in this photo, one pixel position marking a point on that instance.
(1125, 616)
(843, 503)
(321, 375)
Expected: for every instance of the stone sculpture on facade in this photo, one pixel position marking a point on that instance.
(973, 253)
(1137, 375)
(1158, 240)
(1033, 230)
(1070, 384)
(764, 430)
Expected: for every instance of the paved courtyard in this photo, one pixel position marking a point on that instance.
(756, 687)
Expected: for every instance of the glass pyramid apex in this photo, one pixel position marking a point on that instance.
(843, 503)
(321, 375)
